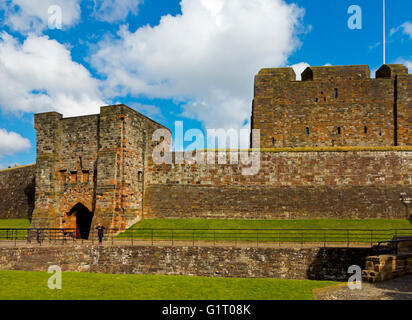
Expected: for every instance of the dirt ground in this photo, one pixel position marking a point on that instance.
(396, 289)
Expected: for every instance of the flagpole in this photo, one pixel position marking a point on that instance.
(384, 32)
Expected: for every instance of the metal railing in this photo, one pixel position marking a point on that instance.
(192, 237)
(391, 246)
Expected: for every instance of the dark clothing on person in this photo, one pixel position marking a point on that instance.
(100, 233)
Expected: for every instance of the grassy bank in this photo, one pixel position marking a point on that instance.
(14, 223)
(273, 224)
(269, 230)
(33, 285)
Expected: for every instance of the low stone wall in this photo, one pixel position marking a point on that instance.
(17, 192)
(387, 267)
(285, 263)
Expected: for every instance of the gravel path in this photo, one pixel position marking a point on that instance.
(396, 289)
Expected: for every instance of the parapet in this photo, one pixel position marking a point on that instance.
(336, 72)
(276, 74)
(391, 71)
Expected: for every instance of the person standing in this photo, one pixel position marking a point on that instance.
(100, 232)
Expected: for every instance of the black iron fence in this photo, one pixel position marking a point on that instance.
(234, 237)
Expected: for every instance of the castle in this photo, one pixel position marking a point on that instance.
(333, 106)
(99, 168)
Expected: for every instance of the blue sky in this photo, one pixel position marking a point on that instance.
(190, 60)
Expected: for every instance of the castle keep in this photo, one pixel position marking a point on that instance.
(333, 106)
(99, 168)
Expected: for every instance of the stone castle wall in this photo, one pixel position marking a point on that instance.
(289, 185)
(17, 192)
(315, 263)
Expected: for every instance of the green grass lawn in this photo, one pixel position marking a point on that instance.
(14, 223)
(88, 286)
(329, 230)
(273, 224)
(302, 230)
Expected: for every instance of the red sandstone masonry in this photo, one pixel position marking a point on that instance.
(287, 169)
(289, 185)
(333, 106)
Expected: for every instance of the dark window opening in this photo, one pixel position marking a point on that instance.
(336, 93)
(62, 175)
(307, 131)
(73, 176)
(365, 130)
(273, 141)
(85, 176)
(324, 99)
(316, 99)
(140, 176)
(339, 130)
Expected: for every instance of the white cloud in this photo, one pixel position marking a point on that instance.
(405, 62)
(33, 15)
(12, 142)
(206, 57)
(405, 27)
(299, 68)
(39, 75)
(148, 110)
(115, 10)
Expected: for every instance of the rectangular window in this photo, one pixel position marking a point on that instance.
(85, 176)
(307, 131)
(61, 176)
(339, 130)
(73, 176)
(336, 93)
(140, 176)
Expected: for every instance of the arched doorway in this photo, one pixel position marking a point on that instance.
(81, 219)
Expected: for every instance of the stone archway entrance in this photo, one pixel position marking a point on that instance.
(80, 218)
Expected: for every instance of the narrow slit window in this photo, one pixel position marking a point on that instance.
(365, 130)
(273, 141)
(307, 131)
(140, 176)
(339, 130)
(316, 100)
(336, 93)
